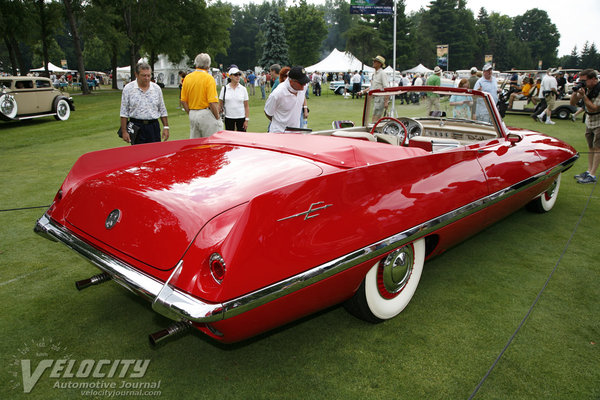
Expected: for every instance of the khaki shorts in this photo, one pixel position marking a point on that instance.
(378, 106)
(592, 136)
(203, 123)
(550, 99)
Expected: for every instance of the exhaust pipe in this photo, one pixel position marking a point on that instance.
(171, 330)
(94, 280)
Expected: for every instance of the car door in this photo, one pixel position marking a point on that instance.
(25, 95)
(44, 96)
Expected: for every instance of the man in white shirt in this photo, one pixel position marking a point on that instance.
(356, 78)
(285, 105)
(548, 92)
(316, 81)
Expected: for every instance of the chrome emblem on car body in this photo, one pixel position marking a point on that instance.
(113, 218)
(309, 213)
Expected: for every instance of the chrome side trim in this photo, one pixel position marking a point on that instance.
(178, 305)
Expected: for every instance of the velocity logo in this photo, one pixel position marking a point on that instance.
(36, 358)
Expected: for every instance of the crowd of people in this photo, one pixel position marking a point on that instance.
(286, 106)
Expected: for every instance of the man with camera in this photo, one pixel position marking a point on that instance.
(588, 90)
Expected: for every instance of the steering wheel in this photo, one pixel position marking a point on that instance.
(413, 127)
(392, 127)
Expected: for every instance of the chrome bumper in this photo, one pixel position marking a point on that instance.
(166, 300)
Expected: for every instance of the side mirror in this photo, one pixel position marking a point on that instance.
(514, 138)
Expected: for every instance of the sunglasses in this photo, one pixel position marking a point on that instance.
(236, 75)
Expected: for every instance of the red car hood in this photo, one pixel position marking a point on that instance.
(164, 201)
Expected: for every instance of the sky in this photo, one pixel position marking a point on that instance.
(575, 23)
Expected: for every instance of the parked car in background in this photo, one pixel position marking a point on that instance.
(339, 87)
(25, 97)
(522, 105)
(235, 235)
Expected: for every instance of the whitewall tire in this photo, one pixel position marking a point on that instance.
(545, 201)
(8, 106)
(62, 110)
(390, 284)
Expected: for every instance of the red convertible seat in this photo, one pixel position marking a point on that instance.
(336, 151)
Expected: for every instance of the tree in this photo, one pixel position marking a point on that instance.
(48, 19)
(104, 32)
(244, 35)
(536, 29)
(275, 48)
(338, 21)
(363, 41)
(589, 56)
(450, 22)
(15, 22)
(304, 31)
(69, 11)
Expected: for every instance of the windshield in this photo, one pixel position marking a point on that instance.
(469, 107)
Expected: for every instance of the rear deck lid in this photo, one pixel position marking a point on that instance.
(163, 202)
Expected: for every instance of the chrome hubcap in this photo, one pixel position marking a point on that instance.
(397, 268)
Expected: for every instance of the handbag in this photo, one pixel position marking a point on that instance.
(132, 129)
(223, 113)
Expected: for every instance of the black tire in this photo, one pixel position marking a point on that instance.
(339, 90)
(562, 113)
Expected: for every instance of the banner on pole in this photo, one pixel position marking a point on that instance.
(377, 7)
(488, 59)
(442, 56)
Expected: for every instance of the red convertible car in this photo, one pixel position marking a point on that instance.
(242, 232)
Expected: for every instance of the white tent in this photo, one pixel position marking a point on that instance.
(165, 72)
(338, 61)
(419, 68)
(51, 68)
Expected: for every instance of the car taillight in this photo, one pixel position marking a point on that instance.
(217, 267)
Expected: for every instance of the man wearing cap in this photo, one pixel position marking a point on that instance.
(548, 92)
(285, 105)
(378, 81)
(473, 78)
(199, 99)
(487, 83)
(433, 99)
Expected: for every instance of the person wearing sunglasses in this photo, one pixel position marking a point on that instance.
(285, 105)
(233, 103)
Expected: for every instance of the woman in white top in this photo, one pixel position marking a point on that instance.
(233, 101)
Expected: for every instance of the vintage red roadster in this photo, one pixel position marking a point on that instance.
(242, 232)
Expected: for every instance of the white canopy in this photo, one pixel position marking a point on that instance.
(165, 71)
(338, 61)
(419, 68)
(51, 68)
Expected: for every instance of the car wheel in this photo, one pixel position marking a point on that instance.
(62, 110)
(8, 106)
(340, 90)
(563, 113)
(546, 200)
(389, 285)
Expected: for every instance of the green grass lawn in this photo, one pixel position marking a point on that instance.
(469, 301)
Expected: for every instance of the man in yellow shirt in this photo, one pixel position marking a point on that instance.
(200, 100)
(522, 94)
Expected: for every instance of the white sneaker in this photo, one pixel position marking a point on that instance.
(550, 122)
(540, 117)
